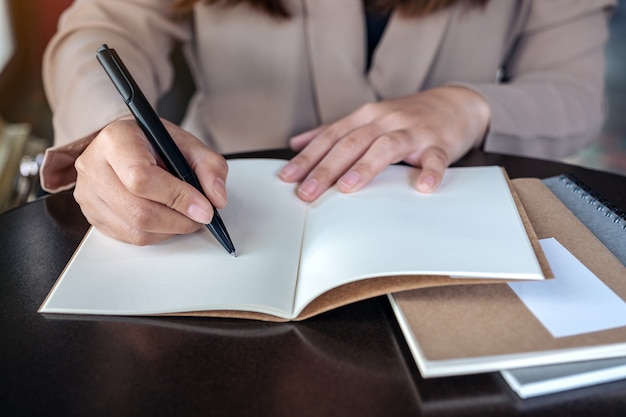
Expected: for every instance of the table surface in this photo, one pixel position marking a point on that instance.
(351, 361)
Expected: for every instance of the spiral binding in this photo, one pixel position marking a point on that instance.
(594, 199)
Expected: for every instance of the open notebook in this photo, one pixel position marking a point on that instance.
(297, 259)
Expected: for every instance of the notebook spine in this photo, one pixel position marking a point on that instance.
(595, 200)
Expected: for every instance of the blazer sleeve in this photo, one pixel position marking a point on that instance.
(551, 100)
(82, 98)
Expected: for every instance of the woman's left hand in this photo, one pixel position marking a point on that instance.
(430, 129)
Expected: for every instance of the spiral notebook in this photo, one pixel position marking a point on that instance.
(603, 218)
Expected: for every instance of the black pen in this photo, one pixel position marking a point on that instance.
(157, 134)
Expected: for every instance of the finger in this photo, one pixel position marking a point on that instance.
(110, 224)
(318, 146)
(308, 157)
(298, 142)
(337, 161)
(209, 166)
(125, 232)
(387, 149)
(151, 183)
(434, 162)
(131, 159)
(127, 203)
(211, 170)
(116, 212)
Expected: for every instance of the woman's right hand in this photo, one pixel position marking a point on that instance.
(124, 190)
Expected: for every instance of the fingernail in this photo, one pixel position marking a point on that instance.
(350, 180)
(219, 187)
(288, 171)
(308, 187)
(199, 214)
(427, 183)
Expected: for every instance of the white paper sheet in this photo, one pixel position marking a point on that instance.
(189, 273)
(469, 227)
(573, 303)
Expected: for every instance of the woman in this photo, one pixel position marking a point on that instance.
(441, 77)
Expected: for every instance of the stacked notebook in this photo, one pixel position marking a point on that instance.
(454, 330)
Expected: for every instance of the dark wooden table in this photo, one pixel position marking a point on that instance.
(350, 362)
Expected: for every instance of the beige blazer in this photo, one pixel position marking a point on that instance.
(538, 63)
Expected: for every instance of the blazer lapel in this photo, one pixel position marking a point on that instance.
(402, 60)
(335, 40)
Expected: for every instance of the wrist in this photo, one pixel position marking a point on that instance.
(476, 111)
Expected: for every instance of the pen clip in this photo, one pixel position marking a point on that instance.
(114, 67)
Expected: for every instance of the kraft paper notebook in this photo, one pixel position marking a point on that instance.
(453, 331)
(296, 259)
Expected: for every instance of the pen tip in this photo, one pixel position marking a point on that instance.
(234, 253)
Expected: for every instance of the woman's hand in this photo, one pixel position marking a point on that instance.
(430, 129)
(124, 191)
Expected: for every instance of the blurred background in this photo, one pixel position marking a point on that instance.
(608, 152)
(25, 118)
